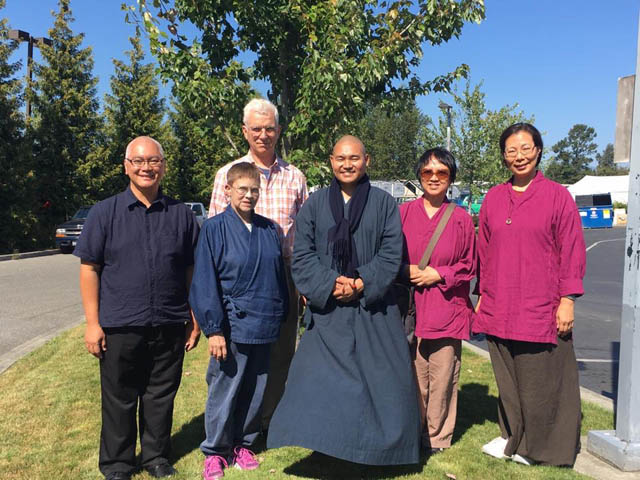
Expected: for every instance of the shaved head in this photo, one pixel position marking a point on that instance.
(351, 140)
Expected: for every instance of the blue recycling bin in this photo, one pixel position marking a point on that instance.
(596, 211)
(596, 217)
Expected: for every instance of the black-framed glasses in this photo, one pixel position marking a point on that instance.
(140, 161)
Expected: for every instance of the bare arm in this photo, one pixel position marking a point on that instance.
(94, 338)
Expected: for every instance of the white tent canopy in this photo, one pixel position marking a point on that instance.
(617, 186)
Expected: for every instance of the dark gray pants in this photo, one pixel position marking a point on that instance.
(139, 373)
(539, 403)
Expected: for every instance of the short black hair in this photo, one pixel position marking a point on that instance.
(523, 127)
(442, 155)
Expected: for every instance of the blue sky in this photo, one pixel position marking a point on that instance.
(559, 60)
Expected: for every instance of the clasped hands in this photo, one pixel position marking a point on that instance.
(423, 278)
(347, 289)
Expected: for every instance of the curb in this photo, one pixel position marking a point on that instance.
(12, 356)
(39, 253)
(585, 394)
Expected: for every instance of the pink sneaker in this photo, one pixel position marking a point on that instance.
(214, 467)
(244, 459)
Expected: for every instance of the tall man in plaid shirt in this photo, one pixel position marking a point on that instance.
(283, 189)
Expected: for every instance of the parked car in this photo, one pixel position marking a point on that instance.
(198, 210)
(476, 203)
(67, 234)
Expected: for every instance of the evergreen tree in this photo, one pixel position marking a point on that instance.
(133, 108)
(573, 155)
(16, 219)
(199, 149)
(605, 163)
(66, 123)
(392, 141)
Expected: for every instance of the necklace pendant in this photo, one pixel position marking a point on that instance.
(508, 222)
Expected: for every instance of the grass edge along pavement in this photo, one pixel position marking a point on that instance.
(50, 425)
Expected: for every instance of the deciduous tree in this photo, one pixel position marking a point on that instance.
(475, 136)
(322, 61)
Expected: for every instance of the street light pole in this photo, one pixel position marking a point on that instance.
(22, 36)
(447, 108)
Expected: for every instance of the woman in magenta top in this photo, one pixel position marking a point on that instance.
(531, 261)
(443, 308)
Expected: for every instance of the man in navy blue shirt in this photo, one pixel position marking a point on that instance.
(137, 251)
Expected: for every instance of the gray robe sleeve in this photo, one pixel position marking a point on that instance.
(379, 273)
(313, 280)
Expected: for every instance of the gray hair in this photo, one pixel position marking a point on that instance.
(261, 106)
(144, 137)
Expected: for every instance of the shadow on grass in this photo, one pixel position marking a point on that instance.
(475, 406)
(188, 438)
(319, 466)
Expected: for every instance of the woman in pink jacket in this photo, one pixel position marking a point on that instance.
(443, 308)
(531, 261)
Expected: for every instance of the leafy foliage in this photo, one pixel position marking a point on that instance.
(66, 123)
(475, 135)
(322, 60)
(573, 155)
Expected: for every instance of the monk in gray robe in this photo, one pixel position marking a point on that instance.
(350, 392)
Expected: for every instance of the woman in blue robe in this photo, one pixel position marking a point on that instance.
(350, 393)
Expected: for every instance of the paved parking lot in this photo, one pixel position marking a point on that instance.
(597, 314)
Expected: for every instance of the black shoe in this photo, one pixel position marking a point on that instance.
(161, 470)
(118, 476)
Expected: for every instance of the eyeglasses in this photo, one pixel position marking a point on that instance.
(258, 130)
(525, 150)
(428, 173)
(244, 190)
(140, 161)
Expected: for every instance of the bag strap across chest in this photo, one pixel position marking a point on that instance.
(426, 256)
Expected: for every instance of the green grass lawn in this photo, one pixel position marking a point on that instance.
(50, 425)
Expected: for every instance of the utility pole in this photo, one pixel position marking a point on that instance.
(22, 36)
(621, 446)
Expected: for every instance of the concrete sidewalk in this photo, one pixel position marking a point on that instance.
(586, 463)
